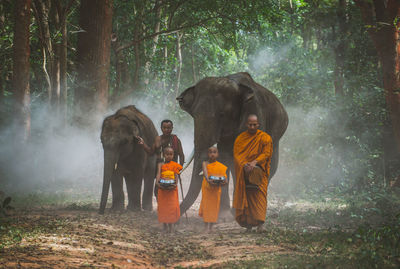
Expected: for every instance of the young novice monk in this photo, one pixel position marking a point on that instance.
(168, 201)
(211, 192)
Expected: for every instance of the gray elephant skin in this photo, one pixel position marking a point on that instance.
(125, 158)
(220, 107)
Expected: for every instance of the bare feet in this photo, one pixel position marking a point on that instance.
(260, 228)
(210, 228)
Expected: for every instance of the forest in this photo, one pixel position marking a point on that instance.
(334, 201)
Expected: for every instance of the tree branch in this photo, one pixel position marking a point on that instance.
(164, 32)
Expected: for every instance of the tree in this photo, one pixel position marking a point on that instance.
(51, 17)
(20, 81)
(93, 60)
(383, 23)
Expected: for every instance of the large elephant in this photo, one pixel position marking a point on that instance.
(220, 107)
(125, 158)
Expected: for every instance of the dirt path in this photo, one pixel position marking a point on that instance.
(58, 238)
(323, 234)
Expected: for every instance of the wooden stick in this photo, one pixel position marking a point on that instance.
(183, 197)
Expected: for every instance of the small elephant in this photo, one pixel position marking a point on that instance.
(220, 107)
(125, 158)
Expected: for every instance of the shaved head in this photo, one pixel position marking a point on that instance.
(212, 147)
(252, 123)
(252, 117)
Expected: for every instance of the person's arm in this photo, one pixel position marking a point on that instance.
(180, 152)
(226, 178)
(150, 150)
(205, 172)
(266, 153)
(145, 147)
(158, 174)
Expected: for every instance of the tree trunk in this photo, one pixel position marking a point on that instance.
(61, 15)
(137, 33)
(93, 61)
(340, 48)
(2, 70)
(137, 60)
(385, 35)
(63, 54)
(20, 82)
(41, 10)
(194, 76)
(157, 25)
(178, 65)
(122, 80)
(55, 71)
(165, 82)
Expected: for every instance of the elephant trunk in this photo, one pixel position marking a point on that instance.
(110, 161)
(206, 134)
(195, 184)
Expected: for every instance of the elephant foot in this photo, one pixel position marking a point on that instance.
(134, 208)
(117, 208)
(226, 216)
(148, 208)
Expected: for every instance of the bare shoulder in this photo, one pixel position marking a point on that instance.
(157, 141)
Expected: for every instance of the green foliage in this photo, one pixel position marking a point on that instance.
(334, 142)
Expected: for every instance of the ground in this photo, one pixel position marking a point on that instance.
(72, 234)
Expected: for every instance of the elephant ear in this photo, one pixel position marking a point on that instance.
(186, 99)
(249, 104)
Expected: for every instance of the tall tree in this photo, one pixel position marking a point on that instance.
(20, 82)
(51, 17)
(383, 22)
(178, 64)
(340, 48)
(93, 60)
(61, 15)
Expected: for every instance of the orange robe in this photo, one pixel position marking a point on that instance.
(211, 194)
(168, 200)
(251, 204)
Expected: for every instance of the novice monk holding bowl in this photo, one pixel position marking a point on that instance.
(214, 176)
(168, 200)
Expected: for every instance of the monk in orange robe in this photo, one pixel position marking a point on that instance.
(211, 192)
(252, 151)
(168, 200)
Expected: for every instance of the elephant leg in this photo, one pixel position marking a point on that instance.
(134, 187)
(225, 207)
(274, 161)
(147, 198)
(118, 198)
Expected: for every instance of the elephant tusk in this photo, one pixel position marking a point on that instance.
(190, 160)
(115, 166)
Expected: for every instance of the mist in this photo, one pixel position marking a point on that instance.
(72, 159)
